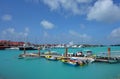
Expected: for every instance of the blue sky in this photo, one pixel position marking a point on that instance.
(60, 21)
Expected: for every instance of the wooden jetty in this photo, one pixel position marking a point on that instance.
(103, 59)
(58, 56)
(107, 59)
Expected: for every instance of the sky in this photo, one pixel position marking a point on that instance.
(60, 21)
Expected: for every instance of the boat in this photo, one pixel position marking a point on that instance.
(85, 60)
(27, 48)
(49, 57)
(59, 58)
(69, 61)
(13, 48)
(65, 59)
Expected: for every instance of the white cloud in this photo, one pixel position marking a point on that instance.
(11, 33)
(84, 1)
(73, 6)
(115, 33)
(7, 17)
(76, 34)
(46, 24)
(105, 11)
(53, 4)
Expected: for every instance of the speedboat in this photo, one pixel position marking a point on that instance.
(49, 57)
(69, 62)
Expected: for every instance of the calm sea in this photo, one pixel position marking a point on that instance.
(39, 68)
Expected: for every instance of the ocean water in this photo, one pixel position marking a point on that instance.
(39, 68)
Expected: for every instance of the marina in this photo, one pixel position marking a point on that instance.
(75, 59)
(35, 65)
(59, 39)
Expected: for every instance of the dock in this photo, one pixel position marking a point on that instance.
(102, 59)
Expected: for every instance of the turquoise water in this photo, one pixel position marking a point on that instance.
(39, 68)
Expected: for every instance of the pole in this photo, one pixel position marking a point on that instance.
(24, 49)
(109, 52)
(66, 51)
(39, 51)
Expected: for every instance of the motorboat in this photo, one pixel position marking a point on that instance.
(49, 57)
(13, 48)
(69, 61)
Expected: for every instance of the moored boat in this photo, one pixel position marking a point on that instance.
(72, 62)
(13, 48)
(49, 57)
(27, 48)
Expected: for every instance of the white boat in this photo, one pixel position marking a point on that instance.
(85, 59)
(51, 58)
(13, 48)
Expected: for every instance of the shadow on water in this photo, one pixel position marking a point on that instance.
(38, 58)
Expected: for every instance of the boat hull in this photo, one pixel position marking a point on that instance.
(51, 58)
(27, 48)
(71, 63)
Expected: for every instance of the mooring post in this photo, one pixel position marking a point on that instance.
(109, 52)
(24, 49)
(66, 52)
(39, 51)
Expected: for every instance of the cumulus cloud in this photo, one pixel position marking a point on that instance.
(47, 24)
(53, 4)
(74, 6)
(115, 33)
(76, 34)
(104, 11)
(10, 33)
(99, 10)
(7, 17)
